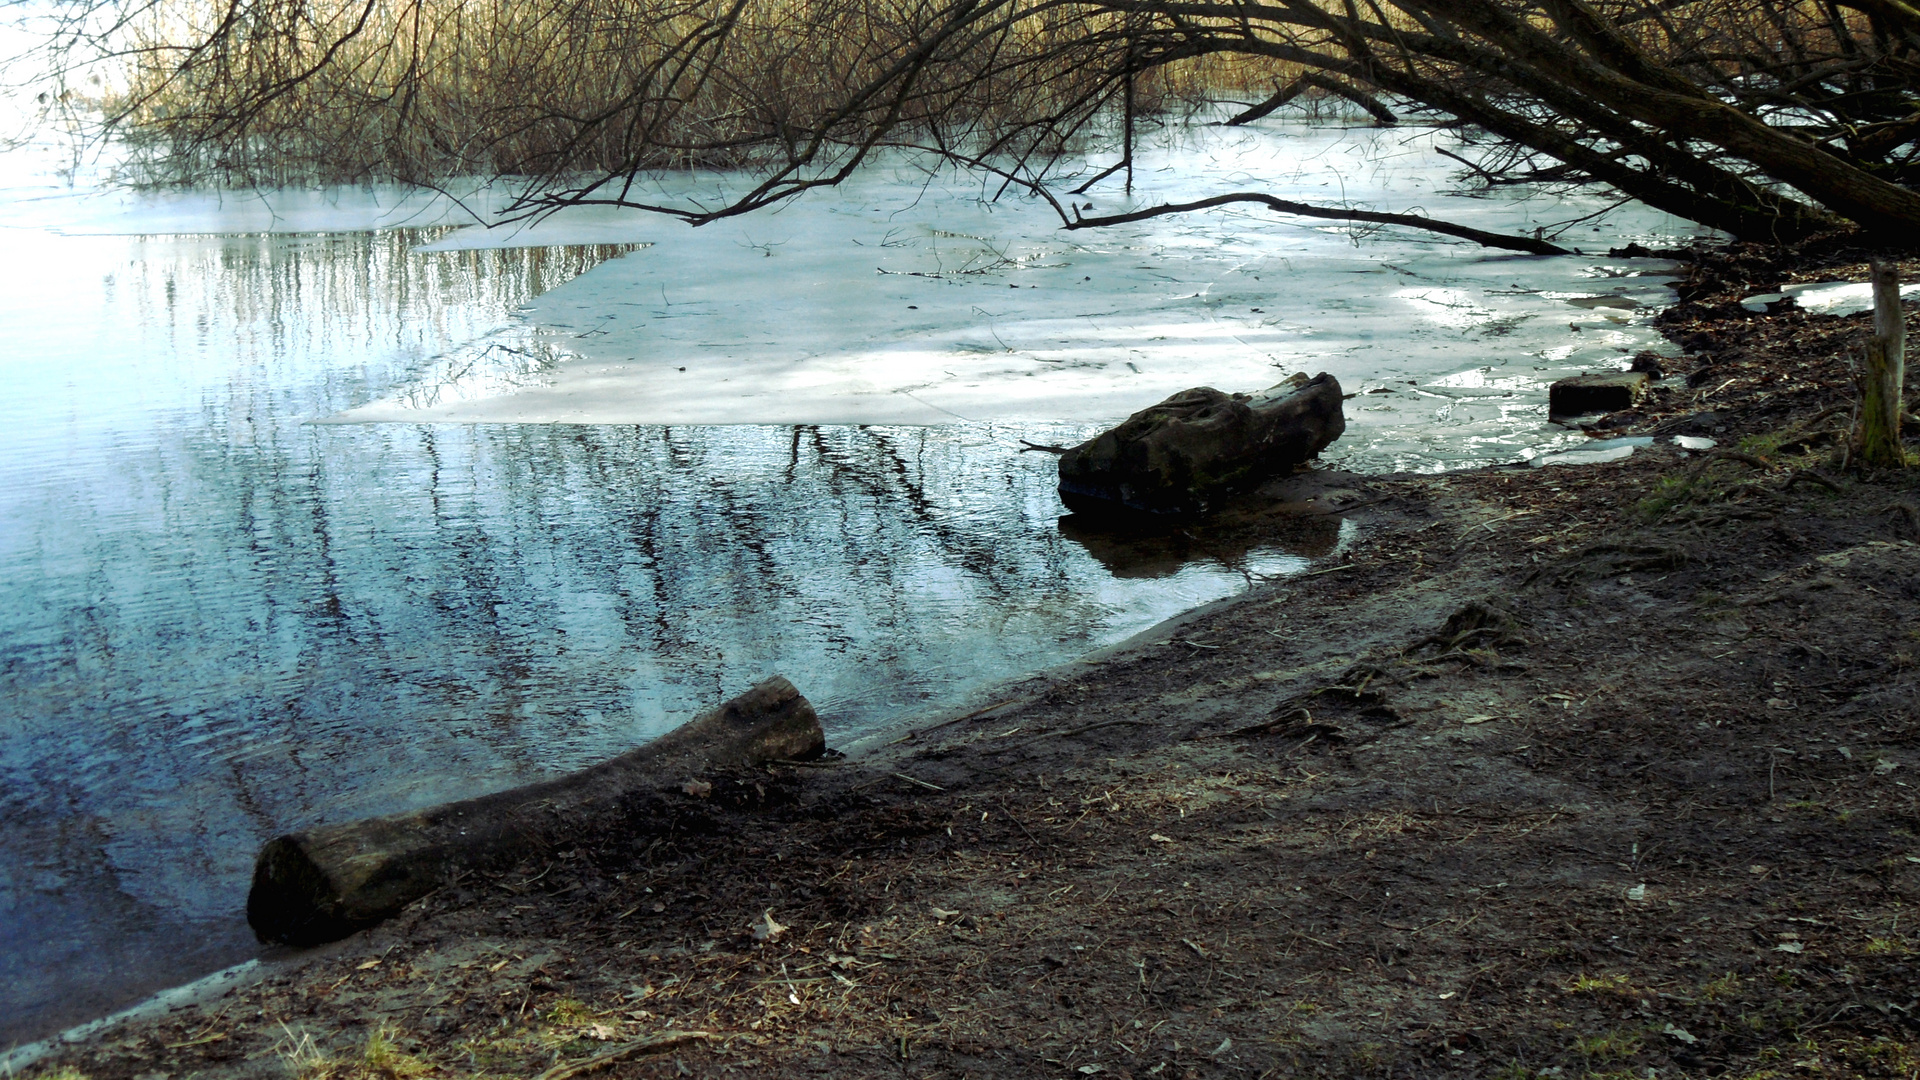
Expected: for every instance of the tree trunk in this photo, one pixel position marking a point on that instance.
(328, 882)
(1880, 388)
(1657, 97)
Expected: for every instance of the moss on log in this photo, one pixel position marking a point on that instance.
(326, 883)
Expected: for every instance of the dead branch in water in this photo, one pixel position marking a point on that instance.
(1412, 221)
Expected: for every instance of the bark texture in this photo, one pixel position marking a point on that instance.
(1199, 446)
(1882, 382)
(326, 883)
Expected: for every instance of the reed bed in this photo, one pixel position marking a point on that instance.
(418, 90)
(582, 98)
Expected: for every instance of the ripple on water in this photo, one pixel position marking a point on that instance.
(219, 621)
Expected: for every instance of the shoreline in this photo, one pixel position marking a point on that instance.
(1568, 770)
(200, 990)
(16, 1057)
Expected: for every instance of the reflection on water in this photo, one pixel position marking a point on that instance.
(219, 621)
(1163, 549)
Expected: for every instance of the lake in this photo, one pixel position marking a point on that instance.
(314, 506)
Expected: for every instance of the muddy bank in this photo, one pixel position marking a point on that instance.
(1561, 771)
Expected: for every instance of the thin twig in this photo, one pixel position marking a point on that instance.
(982, 711)
(1069, 732)
(664, 1041)
(1330, 570)
(1011, 816)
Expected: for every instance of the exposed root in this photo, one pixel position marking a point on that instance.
(1808, 476)
(1611, 560)
(1478, 622)
(1905, 513)
(1712, 456)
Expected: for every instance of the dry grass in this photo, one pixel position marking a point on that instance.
(584, 98)
(424, 89)
(381, 1058)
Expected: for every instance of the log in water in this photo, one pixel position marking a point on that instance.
(326, 883)
(1200, 446)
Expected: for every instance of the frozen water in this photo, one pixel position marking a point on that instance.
(909, 298)
(1593, 453)
(220, 620)
(1827, 297)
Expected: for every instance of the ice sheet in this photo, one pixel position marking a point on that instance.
(1827, 297)
(909, 298)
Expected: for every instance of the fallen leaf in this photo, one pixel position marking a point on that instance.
(699, 789)
(1638, 892)
(498, 966)
(765, 928)
(1883, 767)
(1448, 994)
(367, 965)
(942, 913)
(1481, 719)
(1158, 839)
(1225, 1045)
(1089, 1070)
(602, 1032)
(1681, 1034)
(1756, 868)
(1790, 947)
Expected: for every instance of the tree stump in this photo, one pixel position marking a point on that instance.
(1878, 435)
(1199, 446)
(326, 883)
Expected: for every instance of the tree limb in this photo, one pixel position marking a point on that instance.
(1412, 221)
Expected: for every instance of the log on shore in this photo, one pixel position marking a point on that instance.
(1199, 446)
(325, 883)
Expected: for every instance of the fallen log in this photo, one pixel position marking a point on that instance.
(325, 883)
(1187, 453)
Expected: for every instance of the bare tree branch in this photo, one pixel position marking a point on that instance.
(1530, 245)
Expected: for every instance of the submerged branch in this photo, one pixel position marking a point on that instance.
(1412, 221)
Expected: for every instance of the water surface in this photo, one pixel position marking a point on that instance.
(220, 621)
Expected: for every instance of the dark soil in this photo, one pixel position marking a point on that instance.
(1559, 772)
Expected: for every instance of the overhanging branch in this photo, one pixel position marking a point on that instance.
(1482, 237)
